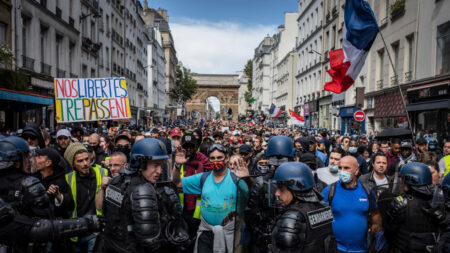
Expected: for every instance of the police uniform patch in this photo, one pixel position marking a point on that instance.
(320, 217)
(161, 145)
(114, 195)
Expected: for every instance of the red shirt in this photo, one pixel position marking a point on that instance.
(198, 165)
(391, 158)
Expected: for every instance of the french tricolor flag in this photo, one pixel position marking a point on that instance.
(274, 111)
(359, 32)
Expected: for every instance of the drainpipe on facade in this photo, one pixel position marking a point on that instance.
(416, 39)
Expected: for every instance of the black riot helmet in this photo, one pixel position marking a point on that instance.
(8, 154)
(146, 150)
(418, 177)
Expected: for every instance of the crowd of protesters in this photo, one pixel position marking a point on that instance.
(352, 174)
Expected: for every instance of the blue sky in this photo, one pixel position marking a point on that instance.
(219, 36)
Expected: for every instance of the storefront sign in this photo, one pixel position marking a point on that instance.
(306, 109)
(359, 116)
(91, 99)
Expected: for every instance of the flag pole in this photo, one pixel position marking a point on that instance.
(400, 89)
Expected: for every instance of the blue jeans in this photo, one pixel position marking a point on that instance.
(85, 244)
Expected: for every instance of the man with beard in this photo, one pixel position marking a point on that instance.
(63, 140)
(262, 207)
(84, 182)
(406, 156)
(218, 192)
(94, 142)
(193, 163)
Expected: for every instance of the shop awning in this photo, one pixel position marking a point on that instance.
(25, 97)
(442, 104)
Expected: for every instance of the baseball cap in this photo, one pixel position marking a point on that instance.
(188, 139)
(406, 144)
(52, 154)
(175, 132)
(63, 132)
(363, 136)
(147, 134)
(245, 149)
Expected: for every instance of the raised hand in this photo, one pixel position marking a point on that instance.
(241, 169)
(180, 156)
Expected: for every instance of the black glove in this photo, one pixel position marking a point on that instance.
(396, 211)
(95, 223)
(436, 213)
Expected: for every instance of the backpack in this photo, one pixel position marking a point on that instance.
(206, 174)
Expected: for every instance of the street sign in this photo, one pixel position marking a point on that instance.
(359, 115)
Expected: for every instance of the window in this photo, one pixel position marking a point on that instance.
(107, 23)
(71, 55)
(84, 71)
(396, 51)
(43, 40)
(84, 25)
(2, 33)
(107, 58)
(92, 72)
(409, 57)
(24, 36)
(333, 37)
(92, 31)
(381, 65)
(443, 49)
(58, 50)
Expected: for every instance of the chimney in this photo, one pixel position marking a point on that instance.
(145, 4)
(163, 13)
(280, 28)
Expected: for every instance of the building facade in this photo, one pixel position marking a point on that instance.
(156, 76)
(262, 78)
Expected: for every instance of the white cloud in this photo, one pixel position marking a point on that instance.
(216, 48)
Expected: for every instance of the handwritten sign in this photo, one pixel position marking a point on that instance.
(91, 99)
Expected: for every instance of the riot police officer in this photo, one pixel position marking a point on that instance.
(140, 216)
(25, 210)
(408, 226)
(262, 207)
(305, 225)
(444, 243)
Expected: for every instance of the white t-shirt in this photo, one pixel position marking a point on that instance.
(326, 176)
(383, 181)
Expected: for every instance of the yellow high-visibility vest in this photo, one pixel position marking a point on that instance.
(447, 164)
(198, 201)
(72, 181)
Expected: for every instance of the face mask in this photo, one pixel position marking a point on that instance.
(263, 169)
(343, 146)
(375, 151)
(218, 165)
(345, 176)
(333, 168)
(367, 160)
(352, 150)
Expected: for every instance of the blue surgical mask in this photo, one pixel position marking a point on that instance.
(352, 150)
(333, 168)
(344, 176)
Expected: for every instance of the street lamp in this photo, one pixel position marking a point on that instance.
(96, 15)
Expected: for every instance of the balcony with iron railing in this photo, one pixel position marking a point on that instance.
(46, 69)
(380, 84)
(394, 80)
(60, 73)
(27, 63)
(408, 76)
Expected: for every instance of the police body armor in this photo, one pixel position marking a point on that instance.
(305, 227)
(262, 211)
(414, 231)
(140, 216)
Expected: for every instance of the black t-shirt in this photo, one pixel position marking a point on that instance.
(86, 190)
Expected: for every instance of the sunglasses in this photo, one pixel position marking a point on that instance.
(30, 137)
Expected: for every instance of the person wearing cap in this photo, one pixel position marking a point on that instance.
(218, 137)
(84, 182)
(421, 145)
(193, 163)
(63, 140)
(246, 152)
(236, 138)
(94, 142)
(405, 156)
(52, 176)
(444, 162)
(32, 134)
(122, 143)
(363, 140)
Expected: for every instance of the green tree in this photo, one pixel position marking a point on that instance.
(185, 85)
(248, 71)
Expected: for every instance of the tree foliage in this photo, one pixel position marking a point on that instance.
(185, 85)
(248, 70)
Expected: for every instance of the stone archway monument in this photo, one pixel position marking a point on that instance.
(224, 87)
